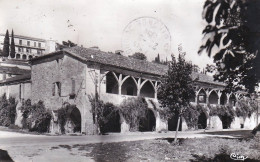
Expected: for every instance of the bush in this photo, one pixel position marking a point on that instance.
(191, 115)
(7, 110)
(63, 115)
(36, 117)
(245, 108)
(256, 129)
(134, 110)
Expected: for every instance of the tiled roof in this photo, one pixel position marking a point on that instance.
(98, 56)
(13, 70)
(19, 78)
(95, 55)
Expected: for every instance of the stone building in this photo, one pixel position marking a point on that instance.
(69, 76)
(29, 47)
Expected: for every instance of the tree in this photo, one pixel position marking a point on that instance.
(66, 44)
(231, 40)
(157, 59)
(175, 90)
(12, 53)
(6, 45)
(139, 56)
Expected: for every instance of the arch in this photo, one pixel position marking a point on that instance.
(112, 122)
(147, 90)
(111, 83)
(129, 87)
(201, 97)
(74, 120)
(202, 121)
(213, 97)
(18, 56)
(232, 99)
(148, 124)
(24, 57)
(223, 98)
(30, 57)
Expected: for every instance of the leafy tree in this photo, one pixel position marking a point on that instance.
(139, 56)
(6, 44)
(157, 59)
(175, 90)
(12, 53)
(230, 40)
(66, 44)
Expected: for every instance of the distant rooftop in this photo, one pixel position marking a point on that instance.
(26, 37)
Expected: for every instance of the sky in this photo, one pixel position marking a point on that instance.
(102, 22)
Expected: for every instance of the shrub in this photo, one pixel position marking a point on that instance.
(63, 115)
(105, 112)
(36, 117)
(191, 115)
(133, 110)
(7, 110)
(245, 108)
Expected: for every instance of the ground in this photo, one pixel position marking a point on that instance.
(196, 146)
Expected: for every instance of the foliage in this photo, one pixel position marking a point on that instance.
(134, 110)
(6, 45)
(228, 35)
(105, 112)
(66, 44)
(225, 113)
(12, 47)
(256, 129)
(63, 115)
(176, 89)
(139, 56)
(245, 108)
(7, 110)
(35, 117)
(191, 115)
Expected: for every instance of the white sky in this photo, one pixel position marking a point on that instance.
(101, 23)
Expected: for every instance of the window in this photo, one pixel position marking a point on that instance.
(56, 89)
(20, 42)
(39, 45)
(28, 43)
(28, 50)
(20, 49)
(34, 44)
(39, 51)
(72, 86)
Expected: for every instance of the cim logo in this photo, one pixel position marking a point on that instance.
(237, 157)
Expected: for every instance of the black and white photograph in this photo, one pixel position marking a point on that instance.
(129, 80)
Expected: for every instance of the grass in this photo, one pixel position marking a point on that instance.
(206, 149)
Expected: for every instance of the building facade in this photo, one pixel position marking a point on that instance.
(71, 75)
(28, 47)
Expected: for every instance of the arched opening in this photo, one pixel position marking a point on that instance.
(147, 124)
(202, 121)
(232, 100)
(30, 57)
(147, 90)
(74, 120)
(111, 84)
(173, 122)
(223, 99)
(24, 57)
(226, 121)
(202, 96)
(213, 98)
(18, 56)
(112, 122)
(129, 87)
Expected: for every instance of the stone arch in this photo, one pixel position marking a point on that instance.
(147, 90)
(232, 99)
(24, 57)
(74, 120)
(111, 83)
(112, 122)
(148, 124)
(129, 87)
(202, 95)
(18, 56)
(202, 120)
(223, 98)
(213, 97)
